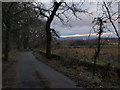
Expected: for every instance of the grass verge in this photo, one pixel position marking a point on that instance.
(80, 73)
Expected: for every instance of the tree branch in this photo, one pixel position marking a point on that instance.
(55, 33)
(41, 10)
(18, 12)
(110, 19)
(8, 11)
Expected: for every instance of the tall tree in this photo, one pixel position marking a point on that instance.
(48, 29)
(57, 9)
(108, 16)
(6, 21)
(100, 23)
(10, 11)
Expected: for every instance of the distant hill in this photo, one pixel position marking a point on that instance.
(83, 37)
(77, 42)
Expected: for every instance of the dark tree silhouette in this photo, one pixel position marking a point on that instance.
(48, 29)
(50, 16)
(98, 21)
(10, 11)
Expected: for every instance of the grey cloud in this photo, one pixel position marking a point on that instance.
(74, 26)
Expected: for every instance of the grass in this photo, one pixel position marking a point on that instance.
(77, 63)
(83, 56)
(53, 56)
(86, 54)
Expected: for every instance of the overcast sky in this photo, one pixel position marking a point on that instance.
(78, 27)
(83, 26)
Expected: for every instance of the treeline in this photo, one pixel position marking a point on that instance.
(76, 43)
(21, 27)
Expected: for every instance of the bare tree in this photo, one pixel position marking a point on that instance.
(10, 11)
(99, 22)
(57, 9)
(6, 21)
(111, 19)
(110, 15)
(106, 17)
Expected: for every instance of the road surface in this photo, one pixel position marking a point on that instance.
(35, 74)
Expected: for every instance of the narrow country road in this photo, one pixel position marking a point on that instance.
(35, 74)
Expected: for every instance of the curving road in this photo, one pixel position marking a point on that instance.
(35, 74)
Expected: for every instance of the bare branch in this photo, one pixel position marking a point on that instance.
(62, 21)
(18, 12)
(110, 19)
(74, 10)
(41, 12)
(55, 33)
(8, 11)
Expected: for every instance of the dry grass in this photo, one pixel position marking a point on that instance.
(87, 54)
(82, 74)
(73, 56)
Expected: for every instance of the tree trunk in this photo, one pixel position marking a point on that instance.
(7, 40)
(48, 30)
(98, 46)
(18, 42)
(49, 38)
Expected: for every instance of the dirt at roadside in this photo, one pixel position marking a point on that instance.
(9, 76)
(9, 70)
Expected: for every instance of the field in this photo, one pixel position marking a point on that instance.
(77, 63)
(107, 55)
